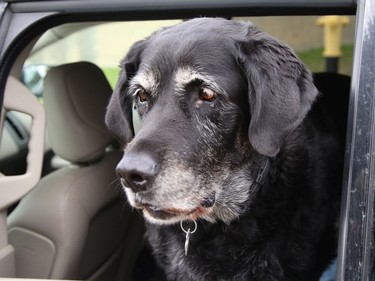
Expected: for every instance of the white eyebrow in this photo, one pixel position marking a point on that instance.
(185, 75)
(147, 79)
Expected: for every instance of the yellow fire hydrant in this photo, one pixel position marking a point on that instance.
(333, 26)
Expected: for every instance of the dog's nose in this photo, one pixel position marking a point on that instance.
(138, 170)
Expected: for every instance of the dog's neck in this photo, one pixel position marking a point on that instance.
(259, 181)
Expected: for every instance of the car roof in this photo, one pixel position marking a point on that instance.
(163, 8)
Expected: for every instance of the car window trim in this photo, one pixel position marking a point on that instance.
(191, 7)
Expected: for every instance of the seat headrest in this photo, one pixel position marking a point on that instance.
(75, 98)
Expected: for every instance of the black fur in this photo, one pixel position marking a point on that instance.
(197, 159)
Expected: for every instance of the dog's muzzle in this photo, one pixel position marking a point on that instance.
(138, 172)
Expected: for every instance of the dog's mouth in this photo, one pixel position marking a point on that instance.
(165, 215)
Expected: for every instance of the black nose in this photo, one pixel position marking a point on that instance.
(138, 171)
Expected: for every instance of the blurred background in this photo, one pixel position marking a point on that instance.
(105, 44)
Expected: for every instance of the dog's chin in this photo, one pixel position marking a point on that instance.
(172, 215)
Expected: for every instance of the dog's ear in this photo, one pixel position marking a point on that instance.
(119, 116)
(281, 90)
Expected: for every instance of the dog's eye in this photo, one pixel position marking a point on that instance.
(207, 94)
(142, 95)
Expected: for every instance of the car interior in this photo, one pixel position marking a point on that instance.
(73, 221)
(81, 224)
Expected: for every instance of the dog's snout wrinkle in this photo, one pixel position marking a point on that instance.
(138, 170)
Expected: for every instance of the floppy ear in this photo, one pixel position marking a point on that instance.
(119, 118)
(281, 90)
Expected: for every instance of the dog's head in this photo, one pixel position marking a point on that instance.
(213, 96)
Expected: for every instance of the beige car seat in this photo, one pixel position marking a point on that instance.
(76, 223)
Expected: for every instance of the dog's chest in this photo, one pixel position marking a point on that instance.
(213, 254)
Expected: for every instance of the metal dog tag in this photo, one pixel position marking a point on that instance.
(187, 242)
(187, 237)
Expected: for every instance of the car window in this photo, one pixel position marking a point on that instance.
(105, 44)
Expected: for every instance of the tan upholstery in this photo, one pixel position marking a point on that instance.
(76, 96)
(75, 224)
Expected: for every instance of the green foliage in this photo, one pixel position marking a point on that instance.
(112, 75)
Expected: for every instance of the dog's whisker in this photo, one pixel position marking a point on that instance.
(116, 183)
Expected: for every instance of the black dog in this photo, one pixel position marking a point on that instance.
(237, 174)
